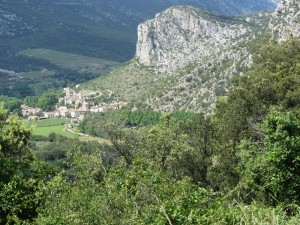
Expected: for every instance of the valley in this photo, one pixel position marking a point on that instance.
(49, 69)
(103, 31)
(178, 112)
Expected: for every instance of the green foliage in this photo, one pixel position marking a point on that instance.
(143, 118)
(94, 124)
(47, 101)
(19, 177)
(137, 195)
(270, 169)
(272, 81)
(141, 194)
(177, 168)
(53, 150)
(31, 101)
(182, 116)
(200, 132)
(282, 146)
(11, 104)
(167, 147)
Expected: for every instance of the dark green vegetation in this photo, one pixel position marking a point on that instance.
(19, 178)
(239, 166)
(95, 124)
(37, 26)
(11, 104)
(39, 75)
(55, 150)
(78, 28)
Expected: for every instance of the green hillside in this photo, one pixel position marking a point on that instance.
(75, 62)
(127, 82)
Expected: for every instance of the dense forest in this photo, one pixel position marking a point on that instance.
(238, 166)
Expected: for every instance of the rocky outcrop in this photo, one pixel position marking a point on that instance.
(181, 35)
(285, 20)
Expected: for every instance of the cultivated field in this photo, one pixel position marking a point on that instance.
(74, 62)
(39, 74)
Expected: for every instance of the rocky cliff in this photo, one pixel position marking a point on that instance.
(181, 35)
(285, 20)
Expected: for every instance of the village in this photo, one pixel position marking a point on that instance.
(73, 105)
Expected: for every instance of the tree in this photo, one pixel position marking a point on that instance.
(282, 146)
(139, 194)
(271, 168)
(31, 101)
(18, 176)
(47, 101)
(200, 132)
(123, 140)
(13, 105)
(167, 147)
(273, 80)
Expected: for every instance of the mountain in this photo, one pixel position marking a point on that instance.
(82, 27)
(104, 29)
(186, 57)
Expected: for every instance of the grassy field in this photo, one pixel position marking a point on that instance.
(45, 131)
(45, 127)
(49, 122)
(74, 62)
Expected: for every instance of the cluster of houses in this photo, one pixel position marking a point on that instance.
(72, 105)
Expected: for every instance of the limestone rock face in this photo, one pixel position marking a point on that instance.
(285, 20)
(181, 35)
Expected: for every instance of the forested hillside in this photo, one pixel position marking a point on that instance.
(238, 166)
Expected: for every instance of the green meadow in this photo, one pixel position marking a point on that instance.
(45, 127)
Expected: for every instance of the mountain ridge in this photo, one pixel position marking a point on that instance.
(189, 79)
(61, 25)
